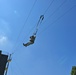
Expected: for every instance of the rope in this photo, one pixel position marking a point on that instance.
(39, 22)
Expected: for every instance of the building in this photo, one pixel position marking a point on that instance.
(3, 62)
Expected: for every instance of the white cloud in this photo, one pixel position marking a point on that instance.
(5, 44)
(3, 40)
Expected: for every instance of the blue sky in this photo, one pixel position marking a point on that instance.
(53, 52)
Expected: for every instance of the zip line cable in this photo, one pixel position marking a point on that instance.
(28, 17)
(51, 14)
(25, 22)
(56, 10)
(48, 7)
(43, 14)
(39, 22)
(30, 12)
(58, 19)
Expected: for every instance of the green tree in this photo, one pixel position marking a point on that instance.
(73, 71)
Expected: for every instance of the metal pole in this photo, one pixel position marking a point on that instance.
(7, 68)
(9, 59)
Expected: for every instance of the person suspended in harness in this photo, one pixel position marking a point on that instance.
(32, 38)
(31, 41)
